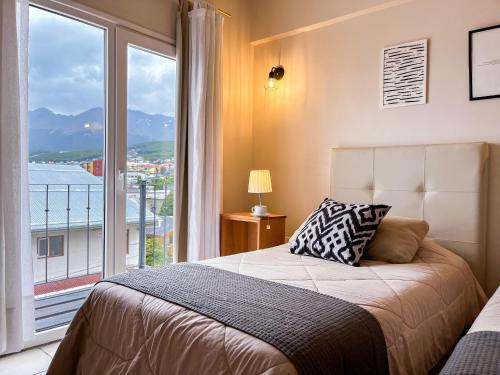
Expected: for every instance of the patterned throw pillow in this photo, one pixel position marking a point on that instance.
(338, 231)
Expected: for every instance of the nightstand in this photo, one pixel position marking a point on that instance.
(240, 232)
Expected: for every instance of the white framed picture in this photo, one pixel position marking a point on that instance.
(404, 74)
(484, 63)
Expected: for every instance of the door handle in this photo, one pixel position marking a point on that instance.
(122, 178)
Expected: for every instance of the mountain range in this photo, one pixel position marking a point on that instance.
(52, 132)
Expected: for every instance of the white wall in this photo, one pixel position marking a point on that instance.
(331, 91)
(57, 266)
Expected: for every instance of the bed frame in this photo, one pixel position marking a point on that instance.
(444, 184)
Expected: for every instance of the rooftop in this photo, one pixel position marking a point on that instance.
(59, 187)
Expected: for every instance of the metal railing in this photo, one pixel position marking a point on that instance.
(66, 208)
(159, 255)
(54, 199)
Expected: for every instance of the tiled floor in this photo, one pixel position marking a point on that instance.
(28, 362)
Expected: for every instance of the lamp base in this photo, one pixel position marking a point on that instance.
(260, 211)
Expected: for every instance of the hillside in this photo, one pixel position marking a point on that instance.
(149, 151)
(152, 151)
(67, 134)
(60, 157)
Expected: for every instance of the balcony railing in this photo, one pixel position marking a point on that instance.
(67, 231)
(155, 222)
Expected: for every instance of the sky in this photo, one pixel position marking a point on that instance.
(67, 69)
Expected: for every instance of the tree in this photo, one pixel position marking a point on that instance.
(154, 245)
(167, 207)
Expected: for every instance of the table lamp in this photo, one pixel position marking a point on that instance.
(260, 182)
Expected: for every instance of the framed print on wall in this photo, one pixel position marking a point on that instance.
(404, 74)
(484, 63)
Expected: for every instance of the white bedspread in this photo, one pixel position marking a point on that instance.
(423, 307)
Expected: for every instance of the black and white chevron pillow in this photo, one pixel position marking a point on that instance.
(338, 231)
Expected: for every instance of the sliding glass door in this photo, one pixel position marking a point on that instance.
(146, 75)
(67, 137)
(101, 135)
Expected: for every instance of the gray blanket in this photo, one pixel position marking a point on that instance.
(477, 353)
(320, 334)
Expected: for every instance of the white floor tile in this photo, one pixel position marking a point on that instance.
(29, 362)
(51, 348)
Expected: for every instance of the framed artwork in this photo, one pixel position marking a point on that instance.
(404, 74)
(484, 63)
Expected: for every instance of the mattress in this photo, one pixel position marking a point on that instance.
(422, 307)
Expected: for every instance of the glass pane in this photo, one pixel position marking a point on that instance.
(56, 246)
(66, 139)
(150, 157)
(42, 247)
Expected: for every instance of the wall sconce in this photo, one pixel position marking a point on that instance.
(275, 75)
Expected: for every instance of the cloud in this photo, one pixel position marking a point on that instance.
(151, 82)
(67, 69)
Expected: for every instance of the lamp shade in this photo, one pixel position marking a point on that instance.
(260, 181)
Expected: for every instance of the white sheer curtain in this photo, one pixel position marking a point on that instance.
(16, 276)
(199, 129)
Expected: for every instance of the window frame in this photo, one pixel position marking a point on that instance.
(48, 240)
(38, 240)
(126, 38)
(51, 250)
(73, 11)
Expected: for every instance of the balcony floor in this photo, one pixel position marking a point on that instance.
(59, 309)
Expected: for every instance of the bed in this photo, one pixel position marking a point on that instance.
(481, 342)
(422, 307)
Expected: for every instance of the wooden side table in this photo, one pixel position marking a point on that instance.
(242, 232)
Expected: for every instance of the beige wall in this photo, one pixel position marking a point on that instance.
(155, 15)
(237, 105)
(279, 16)
(331, 91)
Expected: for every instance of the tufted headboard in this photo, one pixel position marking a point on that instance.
(443, 184)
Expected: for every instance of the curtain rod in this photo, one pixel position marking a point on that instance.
(224, 13)
(219, 10)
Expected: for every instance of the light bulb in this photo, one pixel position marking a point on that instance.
(271, 84)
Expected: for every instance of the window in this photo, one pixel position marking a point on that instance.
(67, 135)
(146, 93)
(56, 248)
(151, 84)
(42, 247)
(101, 99)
